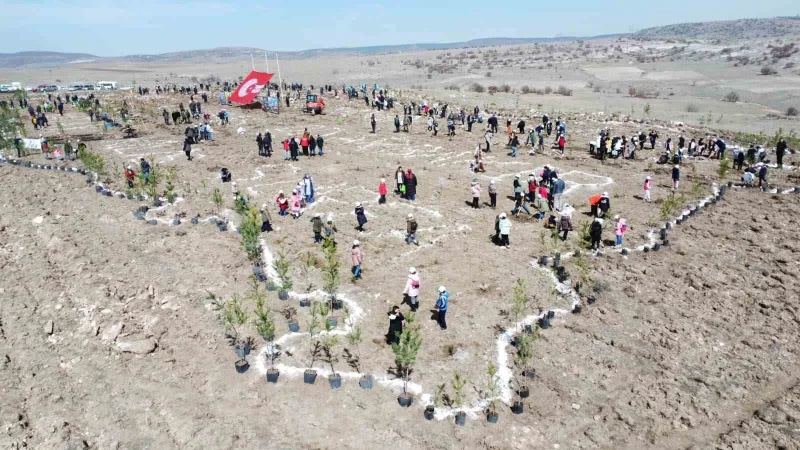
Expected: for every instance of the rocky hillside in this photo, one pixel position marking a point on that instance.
(20, 59)
(729, 29)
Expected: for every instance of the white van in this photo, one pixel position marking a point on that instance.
(106, 85)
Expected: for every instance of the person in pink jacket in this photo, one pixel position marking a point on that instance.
(295, 202)
(382, 191)
(358, 257)
(647, 184)
(412, 288)
(620, 227)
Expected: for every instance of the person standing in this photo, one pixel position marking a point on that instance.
(320, 141)
(308, 189)
(476, 194)
(780, 151)
(504, 228)
(130, 175)
(316, 227)
(492, 194)
(647, 187)
(400, 179)
(360, 217)
(412, 288)
(411, 186)
(260, 143)
(372, 122)
(304, 143)
(557, 192)
(411, 230)
(144, 166)
(268, 144)
(396, 123)
(565, 223)
(620, 227)
(488, 138)
(441, 306)
(676, 177)
(382, 191)
(604, 205)
(396, 319)
(596, 233)
(358, 257)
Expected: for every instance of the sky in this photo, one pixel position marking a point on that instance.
(116, 28)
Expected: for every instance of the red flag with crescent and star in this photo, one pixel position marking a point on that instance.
(250, 87)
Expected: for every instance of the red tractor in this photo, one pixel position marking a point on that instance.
(314, 104)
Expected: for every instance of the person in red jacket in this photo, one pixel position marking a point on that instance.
(382, 190)
(304, 144)
(562, 142)
(130, 176)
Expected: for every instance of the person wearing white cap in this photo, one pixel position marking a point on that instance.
(647, 186)
(361, 217)
(676, 177)
(604, 205)
(316, 227)
(330, 233)
(357, 256)
(476, 193)
(411, 230)
(130, 176)
(504, 227)
(411, 290)
(441, 306)
(265, 219)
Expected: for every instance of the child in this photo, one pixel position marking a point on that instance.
(620, 227)
(647, 184)
(283, 204)
(360, 216)
(382, 191)
(476, 193)
(358, 257)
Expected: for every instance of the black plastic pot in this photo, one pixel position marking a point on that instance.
(335, 380)
(305, 303)
(665, 243)
(551, 314)
(678, 221)
(195, 221)
(530, 373)
(624, 251)
(647, 249)
(429, 412)
(272, 375)
(524, 392)
(461, 418)
(337, 304)
(365, 382)
(577, 309)
(544, 261)
(222, 226)
(283, 295)
(98, 188)
(591, 300)
(405, 400)
(544, 323)
(271, 286)
(492, 417)
(331, 323)
(528, 329)
(294, 327)
(242, 366)
(656, 247)
(309, 376)
(152, 222)
(108, 193)
(668, 225)
(176, 221)
(517, 408)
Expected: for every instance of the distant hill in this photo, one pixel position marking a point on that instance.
(728, 29)
(12, 60)
(44, 59)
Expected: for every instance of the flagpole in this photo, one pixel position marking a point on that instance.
(267, 60)
(253, 62)
(280, 79)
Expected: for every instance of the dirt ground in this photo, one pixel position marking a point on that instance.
(693, 346)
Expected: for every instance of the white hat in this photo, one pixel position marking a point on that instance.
(502, 215)
(129, 167)
(491, 182)
(412, 270)
(356, 242)
(358, 203)
(383, 180)
(677, 166)
(264, 206)
(280, 192)
(616, 217)
(442, 289)
(516, 176)
(648, 177)
(605, 194)
(233, 184)
(410, 216)
(316, 215)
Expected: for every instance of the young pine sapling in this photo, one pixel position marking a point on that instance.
(407, 349)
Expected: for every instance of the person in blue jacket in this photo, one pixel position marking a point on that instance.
(441, 306)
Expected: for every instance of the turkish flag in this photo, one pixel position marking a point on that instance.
(250, 87)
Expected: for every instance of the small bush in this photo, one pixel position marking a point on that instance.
(488, 74)
(548, 90)
(505, 88)
(562, 90)
(526, 89)
(452, 87)
(477, 88)
(731, 97)
(632, 91)
(792, 112)
(767, 70)
(692, 108)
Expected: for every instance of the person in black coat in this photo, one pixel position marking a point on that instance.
(360, 216)
(293, 147)
(780, 151)
(596, 233)
(411, 186)
(396, 320)
(268, 144)
(604, 205)
(260, 142)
